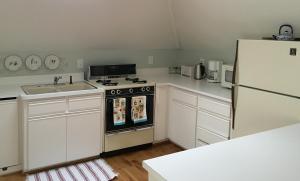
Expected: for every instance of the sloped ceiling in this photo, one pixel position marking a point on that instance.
(86, 24)
(213, 26)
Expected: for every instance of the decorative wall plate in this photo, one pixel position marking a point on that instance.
(13, 63)
(33, 62)
(52, 62)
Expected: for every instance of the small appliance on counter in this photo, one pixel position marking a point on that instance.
(214, 71)
(227, 74)
(199, 71)
(174, 70)
(187, 71)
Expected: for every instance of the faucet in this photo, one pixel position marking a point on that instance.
(56, 79)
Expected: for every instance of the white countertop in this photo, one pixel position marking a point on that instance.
(198, 86)
(269, 156)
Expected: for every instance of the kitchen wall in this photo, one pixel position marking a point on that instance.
(210, 28)
(99, 31)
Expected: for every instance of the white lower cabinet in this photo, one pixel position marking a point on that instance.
(83, 135)
(9, 134)
(182, 123)
(46, 142)
(193, 119)
(71, 134)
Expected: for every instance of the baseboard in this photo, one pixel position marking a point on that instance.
(10, 170)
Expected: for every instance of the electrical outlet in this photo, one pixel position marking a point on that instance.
(80, 63)
(150, 60)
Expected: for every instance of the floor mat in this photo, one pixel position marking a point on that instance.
(96, 170)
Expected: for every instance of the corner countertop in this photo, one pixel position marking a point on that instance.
(271, 155)
(214, 90)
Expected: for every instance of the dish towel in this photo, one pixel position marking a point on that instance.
(119, 111)
(138, 109)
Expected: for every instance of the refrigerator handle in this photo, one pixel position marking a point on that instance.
(235, 63)
(233, 85)
(233, 107)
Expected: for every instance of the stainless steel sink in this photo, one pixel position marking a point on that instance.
(50, 88)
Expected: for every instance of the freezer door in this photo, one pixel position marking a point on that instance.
(269, 65)
(257, 111)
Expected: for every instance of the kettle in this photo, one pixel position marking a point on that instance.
(199, 71)
(286, 33)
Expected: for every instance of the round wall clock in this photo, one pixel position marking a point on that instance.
(13, 63)
(52, 62)
(33, 62)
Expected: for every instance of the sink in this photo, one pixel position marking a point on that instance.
(51, 88)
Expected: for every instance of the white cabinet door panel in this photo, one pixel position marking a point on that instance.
(83, 135)
(46, 142)
(9, 134)
(182, 124)
(161, 113)
(213, 123)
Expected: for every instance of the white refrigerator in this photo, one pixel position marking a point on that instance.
(266, 86)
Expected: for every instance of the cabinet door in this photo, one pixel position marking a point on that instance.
(83, 135)
(182, 124)
(161, 113)
(9, 134)
(46, 142)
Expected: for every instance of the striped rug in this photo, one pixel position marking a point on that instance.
(96, 170)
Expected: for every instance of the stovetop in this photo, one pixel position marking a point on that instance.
(116, 83)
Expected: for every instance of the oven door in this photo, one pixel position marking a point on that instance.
(149, 113)
(112, 125)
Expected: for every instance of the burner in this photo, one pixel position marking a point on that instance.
(107, 82)
(103, 81)
(136, 80)
(131, 79)
(140, 81)
(110, 83)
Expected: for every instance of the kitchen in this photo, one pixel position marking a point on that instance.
(42, 40)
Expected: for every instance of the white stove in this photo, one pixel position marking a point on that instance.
(129, 107)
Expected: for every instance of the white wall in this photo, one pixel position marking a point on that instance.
(85, 24)
(99, 31)
(210, 28)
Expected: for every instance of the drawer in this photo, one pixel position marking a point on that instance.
(84, 103)
(209, 137)
(184, 96)
(214, 106)
(200, 143)
(47, 107)
(213, 123)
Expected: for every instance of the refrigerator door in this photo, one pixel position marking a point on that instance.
(269, 65)
(256, 111)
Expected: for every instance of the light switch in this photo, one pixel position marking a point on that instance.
(80, 63)
(150, 60)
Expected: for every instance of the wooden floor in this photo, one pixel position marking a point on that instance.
(129, 165)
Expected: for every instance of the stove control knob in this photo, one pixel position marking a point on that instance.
(112, 92)
(143, 89)
(148, 89)
(130, 90)
(118, 91)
